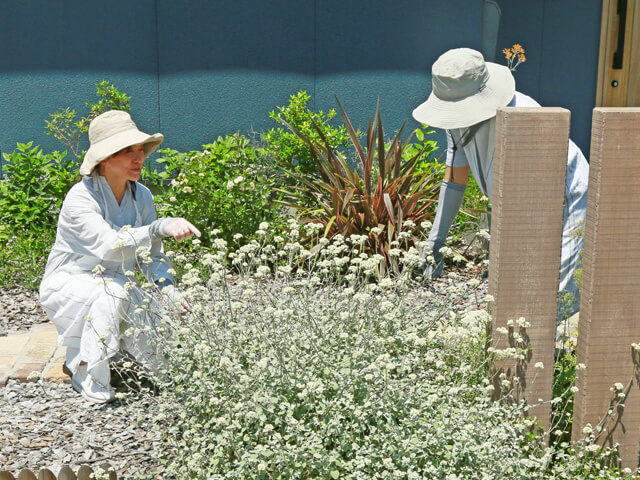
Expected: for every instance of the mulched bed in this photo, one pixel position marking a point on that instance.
(49, 425)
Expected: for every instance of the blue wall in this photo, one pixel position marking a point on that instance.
(198, 69)
(561, 39)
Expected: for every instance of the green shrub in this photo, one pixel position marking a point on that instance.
(33, 187)
(289, 151)
(23, 256)
(226, 185)
(64, 127)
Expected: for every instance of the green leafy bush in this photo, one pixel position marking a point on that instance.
(290, 152)
(64, 127)
(33, 187)
(226, 185)
(23, 256)
(377, 200)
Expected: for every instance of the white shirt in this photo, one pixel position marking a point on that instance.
(89, 231)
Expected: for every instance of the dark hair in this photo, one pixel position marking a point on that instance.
(133, 187)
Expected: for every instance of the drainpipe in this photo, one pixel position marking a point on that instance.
(490, 24)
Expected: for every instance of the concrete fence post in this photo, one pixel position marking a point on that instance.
(526, 240)
(610, 302)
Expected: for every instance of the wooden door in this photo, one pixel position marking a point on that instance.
(619, 61)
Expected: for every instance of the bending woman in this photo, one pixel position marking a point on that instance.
(107, 228)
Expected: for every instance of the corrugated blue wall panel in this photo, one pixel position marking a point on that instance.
(53, 54)
(380, 49)
(561, 39)
(198, 69)
(225, 65)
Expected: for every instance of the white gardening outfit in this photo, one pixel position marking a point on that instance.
(90, 309)
(478, 155)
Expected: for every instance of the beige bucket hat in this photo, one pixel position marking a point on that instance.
(111, 132)
(466, 90)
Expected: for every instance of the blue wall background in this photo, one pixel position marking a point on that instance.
(562, 39)
(198, 69)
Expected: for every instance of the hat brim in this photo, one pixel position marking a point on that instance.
(482, 105)
(107, 147)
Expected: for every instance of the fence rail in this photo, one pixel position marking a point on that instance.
(103, 472)
(525, 260)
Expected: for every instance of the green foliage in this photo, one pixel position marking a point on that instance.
(564, 377)
(64, 127)
(23, 255)
(377, 204)
(33, 188)
(226, 185)
(425, 149)
(290, 152)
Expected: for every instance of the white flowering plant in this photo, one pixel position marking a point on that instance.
(296, 362)
(226, 185)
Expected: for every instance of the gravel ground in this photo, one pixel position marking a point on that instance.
(19, 309)
(47, 425)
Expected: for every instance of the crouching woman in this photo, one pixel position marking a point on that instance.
(107, 229)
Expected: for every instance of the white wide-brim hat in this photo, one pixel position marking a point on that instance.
(111, 132)
(466, 90)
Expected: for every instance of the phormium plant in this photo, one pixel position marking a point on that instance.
(375, 200)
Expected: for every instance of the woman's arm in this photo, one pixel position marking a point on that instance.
(83, 229)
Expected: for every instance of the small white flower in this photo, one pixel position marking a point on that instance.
(426, 225)
(539, 365)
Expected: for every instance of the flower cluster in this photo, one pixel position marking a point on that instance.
(515, 56)
(301, 362)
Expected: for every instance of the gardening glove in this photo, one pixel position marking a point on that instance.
(174, 297)
(178, 228)
(449, 202)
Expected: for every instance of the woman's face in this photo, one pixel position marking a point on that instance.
(124, 165)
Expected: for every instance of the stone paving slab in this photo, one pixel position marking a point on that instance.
(37, 350)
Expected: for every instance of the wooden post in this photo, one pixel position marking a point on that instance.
(610, 302)
(530, 164)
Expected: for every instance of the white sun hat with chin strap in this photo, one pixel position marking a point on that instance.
(466, 90)
(111, 132)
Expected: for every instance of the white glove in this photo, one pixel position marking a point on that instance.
(175, 297)
(178, 228)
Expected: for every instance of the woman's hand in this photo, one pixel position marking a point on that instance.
(181, 229)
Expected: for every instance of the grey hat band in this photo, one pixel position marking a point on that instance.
(454, 88)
